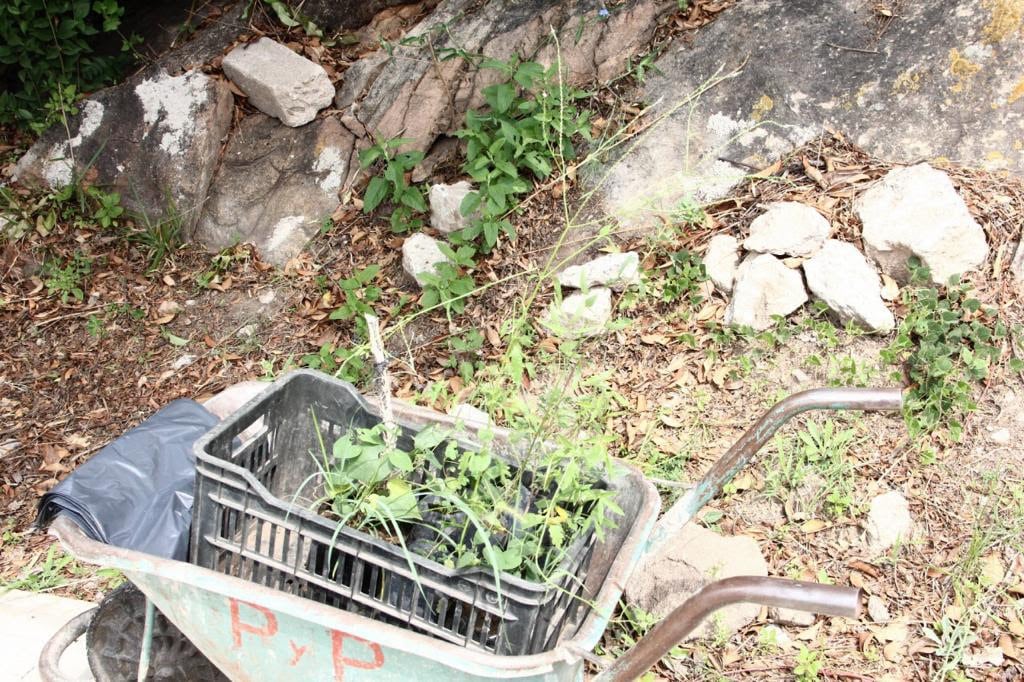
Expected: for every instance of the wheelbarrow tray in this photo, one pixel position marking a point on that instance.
(252, 632)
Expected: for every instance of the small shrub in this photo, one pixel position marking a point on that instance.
(946, 344)
(48, 59)
(524, 135)
(68, 279)
(391, 185)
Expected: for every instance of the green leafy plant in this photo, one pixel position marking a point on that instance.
(67, 279)
(946, 343)
(288, 16)
(345, 363)
(220, 266)
(525, 134)
(359, 296)
(465, 507)
(821, 450)
(808, 665)
(43, 576)
(48, 56)
(465, 356)
(391, 185)
(683, 275)
(448, 285)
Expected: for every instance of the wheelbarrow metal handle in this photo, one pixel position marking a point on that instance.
(832, 600)
(740, 454)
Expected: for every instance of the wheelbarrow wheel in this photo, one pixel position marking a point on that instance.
(113, 643)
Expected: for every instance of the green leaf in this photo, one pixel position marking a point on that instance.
(376, 191)
(413, 198)
(400, 460)
(173, 339)
(499, 96)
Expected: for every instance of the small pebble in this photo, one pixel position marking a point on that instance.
(1000, 436)
(184, 361)
(267, 297)
(877, 610)
(247, 331)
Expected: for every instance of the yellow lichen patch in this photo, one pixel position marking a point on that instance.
(908, 81)
(1017, 93)
(761, 108)
(995, 156)
(1007, 18)
(963, 69)
(1018, 145)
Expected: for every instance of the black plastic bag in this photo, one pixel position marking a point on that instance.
(136, 493)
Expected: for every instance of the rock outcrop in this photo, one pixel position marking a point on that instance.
(942, 80)
(275, 186)
(154, 139)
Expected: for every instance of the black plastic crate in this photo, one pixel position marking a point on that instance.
(247, 524)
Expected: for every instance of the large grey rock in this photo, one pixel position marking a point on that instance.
(696, 557)
(279, 82)
(421, 255)
(617, 271)
(841, 276)
(916, 211)
(581, 315)
(787, 228)
(154, 139)
(720, 261)
(942, 79)
(333, 15)
(888, 522)
(408, 92)
(275, 186)
(1017, 265)
(446, 204)
(764, 288)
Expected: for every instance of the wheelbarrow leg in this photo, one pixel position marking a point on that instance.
(147, 641)
(832, 600)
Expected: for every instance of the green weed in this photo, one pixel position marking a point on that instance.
(524, 135)
(42, 577)
(946, 344)
(390, 185)
(359, 296)
(67, 279)
(808, 665)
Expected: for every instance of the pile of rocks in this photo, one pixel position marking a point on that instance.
(579, 315)
(913, 211)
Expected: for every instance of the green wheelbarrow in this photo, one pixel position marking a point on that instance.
(251, 631)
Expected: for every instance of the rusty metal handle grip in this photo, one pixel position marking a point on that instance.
(832, 600)
(740, 454)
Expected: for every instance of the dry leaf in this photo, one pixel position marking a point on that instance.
(893, 632)
(992, 570)
(655, 339)
(891, 651)
(813, 526)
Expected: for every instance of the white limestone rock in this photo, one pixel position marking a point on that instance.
(888, 522)
(617, 271)
(841, 276)
(279, 82)
(581, 315)
(695, 557)
(421, 254)
(764, 287)
(445, 205)
(916, 211)
(788, 228)
(720, 261)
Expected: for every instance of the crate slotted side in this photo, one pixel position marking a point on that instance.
(246, 525)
